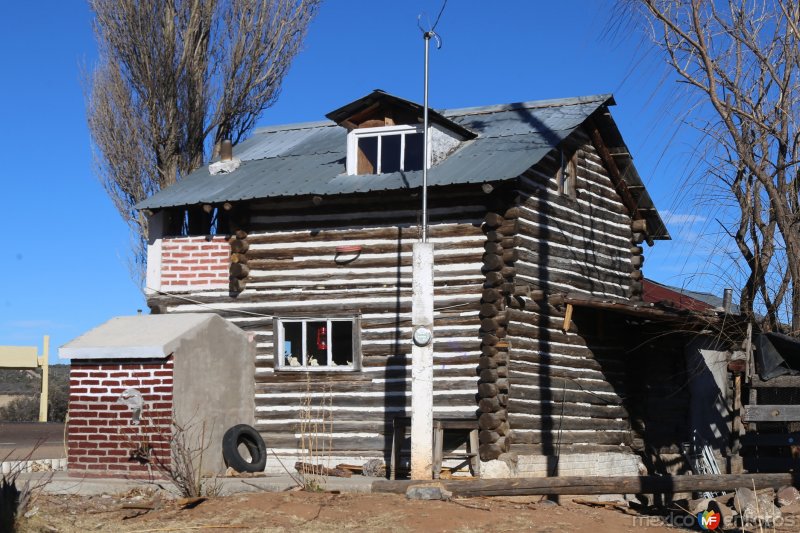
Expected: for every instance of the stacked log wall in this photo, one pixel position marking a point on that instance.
(566, 387)
(294, 270)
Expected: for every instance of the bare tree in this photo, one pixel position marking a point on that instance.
(173, 80)
(742, 58)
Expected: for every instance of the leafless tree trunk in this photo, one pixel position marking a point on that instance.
(176, 78)
(743, 58)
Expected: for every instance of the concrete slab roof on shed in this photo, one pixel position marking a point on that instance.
(310, 158)
(135, 337)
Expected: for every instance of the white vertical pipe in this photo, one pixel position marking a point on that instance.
(422, 364)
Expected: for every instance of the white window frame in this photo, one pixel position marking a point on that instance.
(354, 135)
(280, 358)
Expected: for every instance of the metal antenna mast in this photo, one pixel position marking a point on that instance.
(427, 35)
(422, 315)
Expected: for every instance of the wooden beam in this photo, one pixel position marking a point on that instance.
(613, 170)
(778, 382)
(567, 318)
(599, 484)
(771, 413)
(770, 439)
(44, 363)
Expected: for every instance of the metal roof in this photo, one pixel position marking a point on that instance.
(310, 158)
(682, 297)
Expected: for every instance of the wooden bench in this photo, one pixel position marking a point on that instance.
(440, 425)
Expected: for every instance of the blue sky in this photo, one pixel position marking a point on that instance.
(64, 258)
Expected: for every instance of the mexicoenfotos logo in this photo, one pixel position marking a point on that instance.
(708, 520)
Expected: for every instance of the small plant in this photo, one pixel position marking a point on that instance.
(316, 438)
(184, 465)
(17, 498)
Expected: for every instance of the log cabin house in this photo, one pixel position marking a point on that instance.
(538, 216)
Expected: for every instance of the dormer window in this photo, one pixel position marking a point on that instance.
(385, 149)
(385, 135)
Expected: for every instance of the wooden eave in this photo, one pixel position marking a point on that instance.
(619, 163)
(656, 312)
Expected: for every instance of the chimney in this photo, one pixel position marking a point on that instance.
(727, 297)
(226, 150)
(226, 163)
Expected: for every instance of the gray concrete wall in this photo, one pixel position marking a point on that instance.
(214, 385)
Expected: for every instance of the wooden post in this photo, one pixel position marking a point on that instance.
(422, 363)
(43, 362)
(567, 318)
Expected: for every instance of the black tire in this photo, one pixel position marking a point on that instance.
(244, 434)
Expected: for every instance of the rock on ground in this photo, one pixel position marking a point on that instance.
(787, 496)
(428, 492)
(756, 508)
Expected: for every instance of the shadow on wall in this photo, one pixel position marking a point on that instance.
(707, 369)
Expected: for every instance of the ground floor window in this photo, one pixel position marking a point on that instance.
(317, 344)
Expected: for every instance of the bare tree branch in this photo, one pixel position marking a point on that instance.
(173, 80)
(743, 58)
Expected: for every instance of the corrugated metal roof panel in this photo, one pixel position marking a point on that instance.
(310, 158)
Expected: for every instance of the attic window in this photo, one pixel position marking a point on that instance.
(384, 150)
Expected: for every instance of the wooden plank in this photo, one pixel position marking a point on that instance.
(464, 398)
(566, 437)
(553, 408)
(339, 446)
(326, 248)
(770, 439)
(389, 231)
(554, 422)
(564, 449)
(599, 484)
(18, 357)
(771, 413)
(778, 382)
(571, 220)
(771, 464)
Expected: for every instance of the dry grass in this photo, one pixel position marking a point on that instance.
(316, 436)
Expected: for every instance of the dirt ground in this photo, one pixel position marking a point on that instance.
(329, 512)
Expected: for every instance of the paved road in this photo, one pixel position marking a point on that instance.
(18, 440)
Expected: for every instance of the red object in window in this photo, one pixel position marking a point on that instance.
(322, 338)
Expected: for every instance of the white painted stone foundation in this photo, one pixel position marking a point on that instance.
(582, 464)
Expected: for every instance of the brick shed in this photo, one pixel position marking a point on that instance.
(131, 377)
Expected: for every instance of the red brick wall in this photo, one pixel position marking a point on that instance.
(100, 435)
(195, 262)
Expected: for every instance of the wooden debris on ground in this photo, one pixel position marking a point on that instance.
(617, 506)
(141, 508)
(188, 503)
(353, 469)
(319, 470)
(230, 472)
